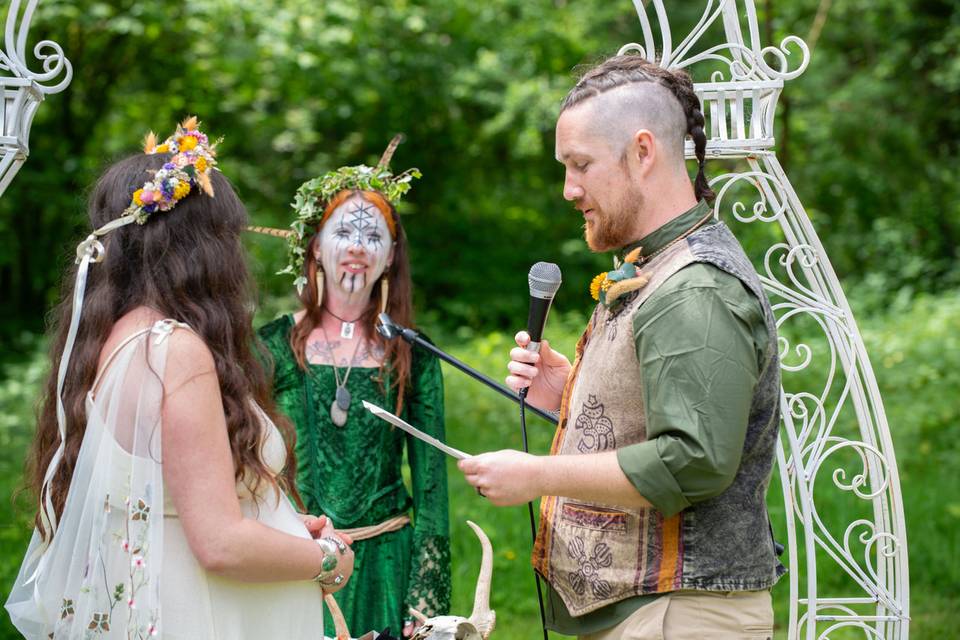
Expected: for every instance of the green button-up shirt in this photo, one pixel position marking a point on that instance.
(700, 341)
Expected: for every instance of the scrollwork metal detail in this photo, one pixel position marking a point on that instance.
(50, 54)
(24, 89)
(745, 60)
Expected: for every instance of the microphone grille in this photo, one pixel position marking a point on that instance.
(544, 279)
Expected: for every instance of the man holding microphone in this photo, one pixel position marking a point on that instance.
(653, 521)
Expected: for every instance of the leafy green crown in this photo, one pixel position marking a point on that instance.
(313, 195)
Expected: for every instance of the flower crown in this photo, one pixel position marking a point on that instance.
(193, 160)
(311, 199)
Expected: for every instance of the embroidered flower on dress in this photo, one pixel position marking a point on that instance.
(140, 511)
(99, 623)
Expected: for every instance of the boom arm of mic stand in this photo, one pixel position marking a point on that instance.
(392, 329)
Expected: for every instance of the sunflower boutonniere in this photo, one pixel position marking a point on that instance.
(608, 286)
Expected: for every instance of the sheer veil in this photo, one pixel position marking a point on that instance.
(100, 575)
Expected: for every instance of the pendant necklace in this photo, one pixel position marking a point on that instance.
(346, 326)
(341, 401)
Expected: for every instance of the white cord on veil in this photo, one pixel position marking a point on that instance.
(90, 250)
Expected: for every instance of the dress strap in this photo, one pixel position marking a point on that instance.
(161, 329)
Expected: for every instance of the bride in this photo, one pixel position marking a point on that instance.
(160, 461)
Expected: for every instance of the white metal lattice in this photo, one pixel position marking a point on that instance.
(23, 89)
(848, 568)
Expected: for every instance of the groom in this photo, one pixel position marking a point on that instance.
(653, 522)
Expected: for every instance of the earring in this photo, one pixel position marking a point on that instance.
(319, 288)
(384, 291)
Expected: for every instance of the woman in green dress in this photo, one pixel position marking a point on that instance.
(349, 253)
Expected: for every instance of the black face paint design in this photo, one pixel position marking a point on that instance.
(356, 228)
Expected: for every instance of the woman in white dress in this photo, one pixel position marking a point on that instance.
(159, 460)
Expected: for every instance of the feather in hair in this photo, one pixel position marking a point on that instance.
(190, 123)
(149, 142)
(205, 183)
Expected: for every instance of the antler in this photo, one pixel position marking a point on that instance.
(268, 231)
(483, 617)
(416, 614)
(388, 153)
(339, 624)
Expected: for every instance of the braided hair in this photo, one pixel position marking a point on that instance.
(622, 70)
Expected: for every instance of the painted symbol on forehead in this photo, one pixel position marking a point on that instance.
(361, 219)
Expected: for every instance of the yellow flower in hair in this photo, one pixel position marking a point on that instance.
(163, 148)
(181, 190)
(186, 143)
(136, 197)
(201, 164)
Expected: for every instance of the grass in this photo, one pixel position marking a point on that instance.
(915, 352)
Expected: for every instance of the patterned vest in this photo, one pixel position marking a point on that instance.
(597, 554)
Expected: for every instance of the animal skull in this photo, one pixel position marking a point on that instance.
(477, 627)
(481, 622)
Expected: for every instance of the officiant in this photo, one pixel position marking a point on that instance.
(348, 255)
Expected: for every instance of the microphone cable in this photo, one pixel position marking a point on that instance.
(533, 522)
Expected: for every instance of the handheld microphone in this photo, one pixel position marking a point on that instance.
(544, 280)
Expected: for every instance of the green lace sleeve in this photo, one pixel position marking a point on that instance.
(429, 583)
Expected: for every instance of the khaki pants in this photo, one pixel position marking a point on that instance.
(698, 615)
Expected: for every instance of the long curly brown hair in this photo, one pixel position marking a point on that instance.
(397, 353)
(189, 265)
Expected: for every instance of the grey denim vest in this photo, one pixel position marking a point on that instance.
(594, 555)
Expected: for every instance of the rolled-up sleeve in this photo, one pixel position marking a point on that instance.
(699, 343)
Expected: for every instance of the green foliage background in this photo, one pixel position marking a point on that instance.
(868, 135)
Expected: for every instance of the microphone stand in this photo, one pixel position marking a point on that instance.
(391, 330)
(533, 522)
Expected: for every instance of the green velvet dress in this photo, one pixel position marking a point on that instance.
(353, 475)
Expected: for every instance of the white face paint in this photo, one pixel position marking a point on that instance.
(355, 246)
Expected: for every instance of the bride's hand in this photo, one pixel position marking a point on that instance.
(320, 526)
(314, 524)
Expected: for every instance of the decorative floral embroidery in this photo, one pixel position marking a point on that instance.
(141, 511)
(597, 428)
(99, 623)
(132, 537)
(588, 572)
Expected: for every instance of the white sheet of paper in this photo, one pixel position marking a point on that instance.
(416, 433)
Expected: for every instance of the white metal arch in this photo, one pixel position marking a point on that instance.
(839, 417)
(23, 89)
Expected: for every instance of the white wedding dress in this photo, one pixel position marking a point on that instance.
(114, 568)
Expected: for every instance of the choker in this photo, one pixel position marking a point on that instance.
(346, 326)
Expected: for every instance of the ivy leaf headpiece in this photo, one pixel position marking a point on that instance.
(313, 196)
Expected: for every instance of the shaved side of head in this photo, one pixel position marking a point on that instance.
(627, 93)
(618, 114)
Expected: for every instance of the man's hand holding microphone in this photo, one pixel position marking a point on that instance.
(511, 477)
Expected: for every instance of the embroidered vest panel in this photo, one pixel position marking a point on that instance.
(595, 554)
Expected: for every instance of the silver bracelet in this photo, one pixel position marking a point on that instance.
(337, 580)
(329, 562)
(341, 547)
